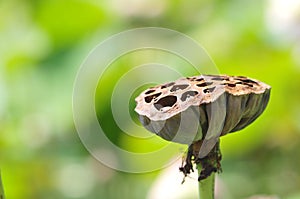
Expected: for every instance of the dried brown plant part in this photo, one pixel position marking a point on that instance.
(199, 110)
(241, 99)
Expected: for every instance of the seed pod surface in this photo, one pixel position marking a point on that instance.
(192, 108)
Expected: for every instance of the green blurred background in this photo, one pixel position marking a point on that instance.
(43, 43)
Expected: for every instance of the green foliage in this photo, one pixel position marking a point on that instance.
(43, 43)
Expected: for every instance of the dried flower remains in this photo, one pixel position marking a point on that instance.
(199, 110)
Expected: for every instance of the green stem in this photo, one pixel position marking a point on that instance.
(207, 167)
(206, 186)
(1, 189)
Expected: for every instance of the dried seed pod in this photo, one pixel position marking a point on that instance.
(206, 106)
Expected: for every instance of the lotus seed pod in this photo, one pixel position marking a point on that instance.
(201, 107)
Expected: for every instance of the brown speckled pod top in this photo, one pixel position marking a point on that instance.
(211, 105)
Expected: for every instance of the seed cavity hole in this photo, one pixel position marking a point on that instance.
(187, 95)
(179, 87)
(204, 84)
(167, 101)
(247, 84)
(199, 79)
(209, 90)
(149, 98)
(231, 85)
(247, 81)
(149, 91)
(218, 78)
(167, 85)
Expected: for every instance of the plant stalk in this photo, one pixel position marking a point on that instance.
(206, 186)
(1, 189)
(207, 167)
